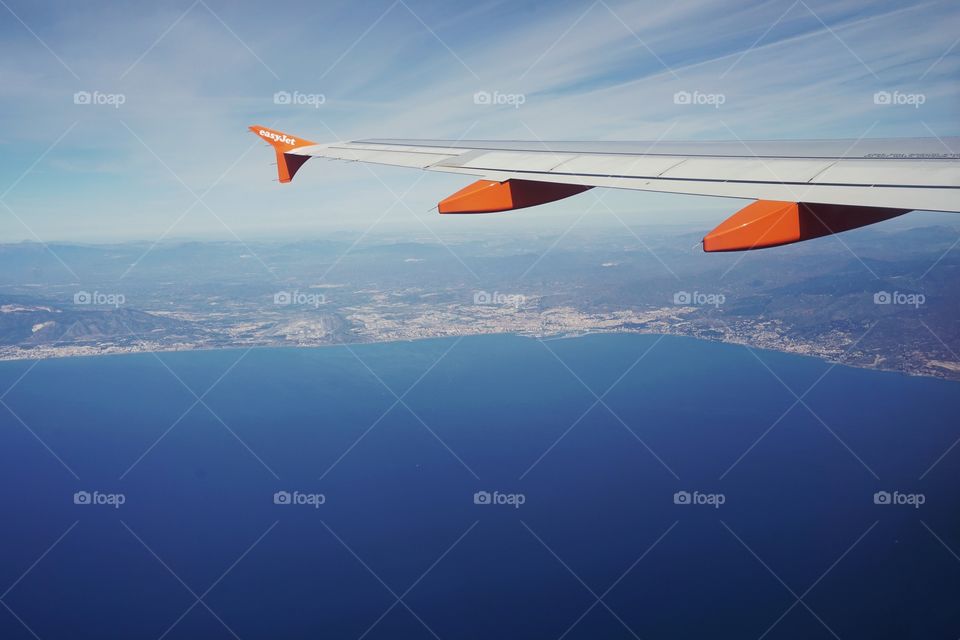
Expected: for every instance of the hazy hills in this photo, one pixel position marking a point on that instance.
(874, 297)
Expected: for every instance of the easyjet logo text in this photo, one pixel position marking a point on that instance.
(277, 137)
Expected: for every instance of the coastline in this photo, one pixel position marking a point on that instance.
(60, 352)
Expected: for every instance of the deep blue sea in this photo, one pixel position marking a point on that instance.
(629, 487)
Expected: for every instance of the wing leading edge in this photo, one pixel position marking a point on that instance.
(803, 189)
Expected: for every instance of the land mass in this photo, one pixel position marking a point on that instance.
(864, 303)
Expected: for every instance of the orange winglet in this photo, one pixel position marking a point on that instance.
(287, 163)
(488, 196)
(769, 223)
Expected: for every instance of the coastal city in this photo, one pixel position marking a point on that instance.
(818, 301)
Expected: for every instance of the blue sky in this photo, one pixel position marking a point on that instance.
(175, 160)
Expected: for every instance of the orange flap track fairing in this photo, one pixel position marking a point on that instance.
(768, 223)
(489, 196)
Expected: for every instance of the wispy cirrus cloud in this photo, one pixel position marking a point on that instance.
(194, 74)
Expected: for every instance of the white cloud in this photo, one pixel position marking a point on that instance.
(193, 93)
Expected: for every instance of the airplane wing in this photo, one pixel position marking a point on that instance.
(803, 189)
